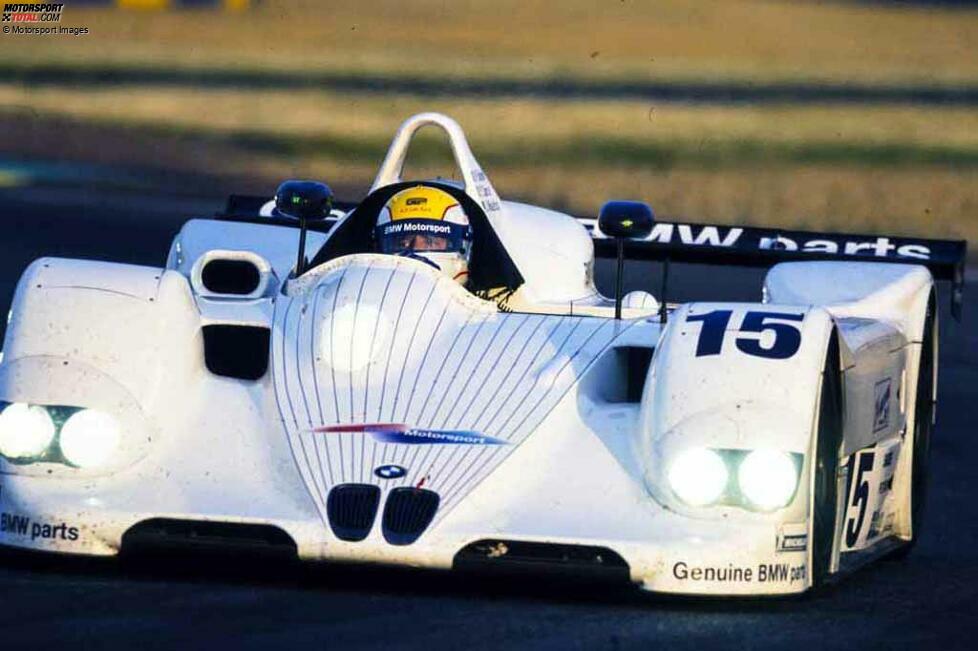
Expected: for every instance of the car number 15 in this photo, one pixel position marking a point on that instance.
(787, 337)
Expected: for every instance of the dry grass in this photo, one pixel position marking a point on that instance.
(849, 167)
(502, 124)
(708, 39)
(936, 203)
(342, 138)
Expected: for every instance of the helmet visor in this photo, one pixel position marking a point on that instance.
(421, 235)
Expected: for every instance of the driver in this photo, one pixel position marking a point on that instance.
(429, 224)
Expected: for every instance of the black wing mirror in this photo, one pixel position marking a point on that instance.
(624, 220)
(305, 201)
(631, 220)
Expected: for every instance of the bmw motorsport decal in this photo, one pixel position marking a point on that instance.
(398, 433)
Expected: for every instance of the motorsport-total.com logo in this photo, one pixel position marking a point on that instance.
(19, 12)
(35, 19)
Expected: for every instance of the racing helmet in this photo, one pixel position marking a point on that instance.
(429, 224)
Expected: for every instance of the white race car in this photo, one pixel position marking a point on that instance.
(365, 407)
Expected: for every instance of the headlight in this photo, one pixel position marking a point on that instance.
(698, 476)
(767, 478)
(26, 431)
(89, 438)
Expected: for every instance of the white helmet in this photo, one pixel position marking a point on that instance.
(427, 223)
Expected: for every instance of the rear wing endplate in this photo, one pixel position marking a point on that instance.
(761, 247)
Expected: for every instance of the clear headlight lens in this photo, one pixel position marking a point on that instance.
(90, 438)
(83, 438)
(26, 431)
(698, 476)
(767, 478)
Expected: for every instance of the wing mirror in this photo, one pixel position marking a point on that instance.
(631, 220)
(304, 201)
(624, 220)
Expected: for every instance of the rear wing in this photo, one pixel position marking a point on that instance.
(761, 247)
(742, 246)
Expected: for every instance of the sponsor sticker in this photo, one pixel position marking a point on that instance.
(760, 573)
(881, 418)
(792, 538)
(394, 228)
(875, 524)
(24, 527)
(487, 196)
(793, 543)
(404, 435)
(815, 243)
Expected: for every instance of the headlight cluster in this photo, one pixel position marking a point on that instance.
(81, 438)
(762, 480)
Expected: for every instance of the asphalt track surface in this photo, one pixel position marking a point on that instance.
(929, 599)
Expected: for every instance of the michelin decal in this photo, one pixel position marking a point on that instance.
(792, 538)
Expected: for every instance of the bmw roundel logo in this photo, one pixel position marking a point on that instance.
(390, 471)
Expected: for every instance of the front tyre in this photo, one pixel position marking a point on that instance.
(825, 466)
(922, 429)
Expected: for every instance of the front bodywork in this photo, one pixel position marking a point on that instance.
(553, 460)
(520, 423)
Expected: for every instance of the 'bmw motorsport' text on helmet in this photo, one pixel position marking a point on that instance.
(427, 223)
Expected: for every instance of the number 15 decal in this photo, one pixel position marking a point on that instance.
(787, 337)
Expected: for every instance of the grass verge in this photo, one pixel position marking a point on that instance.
(747, 40)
